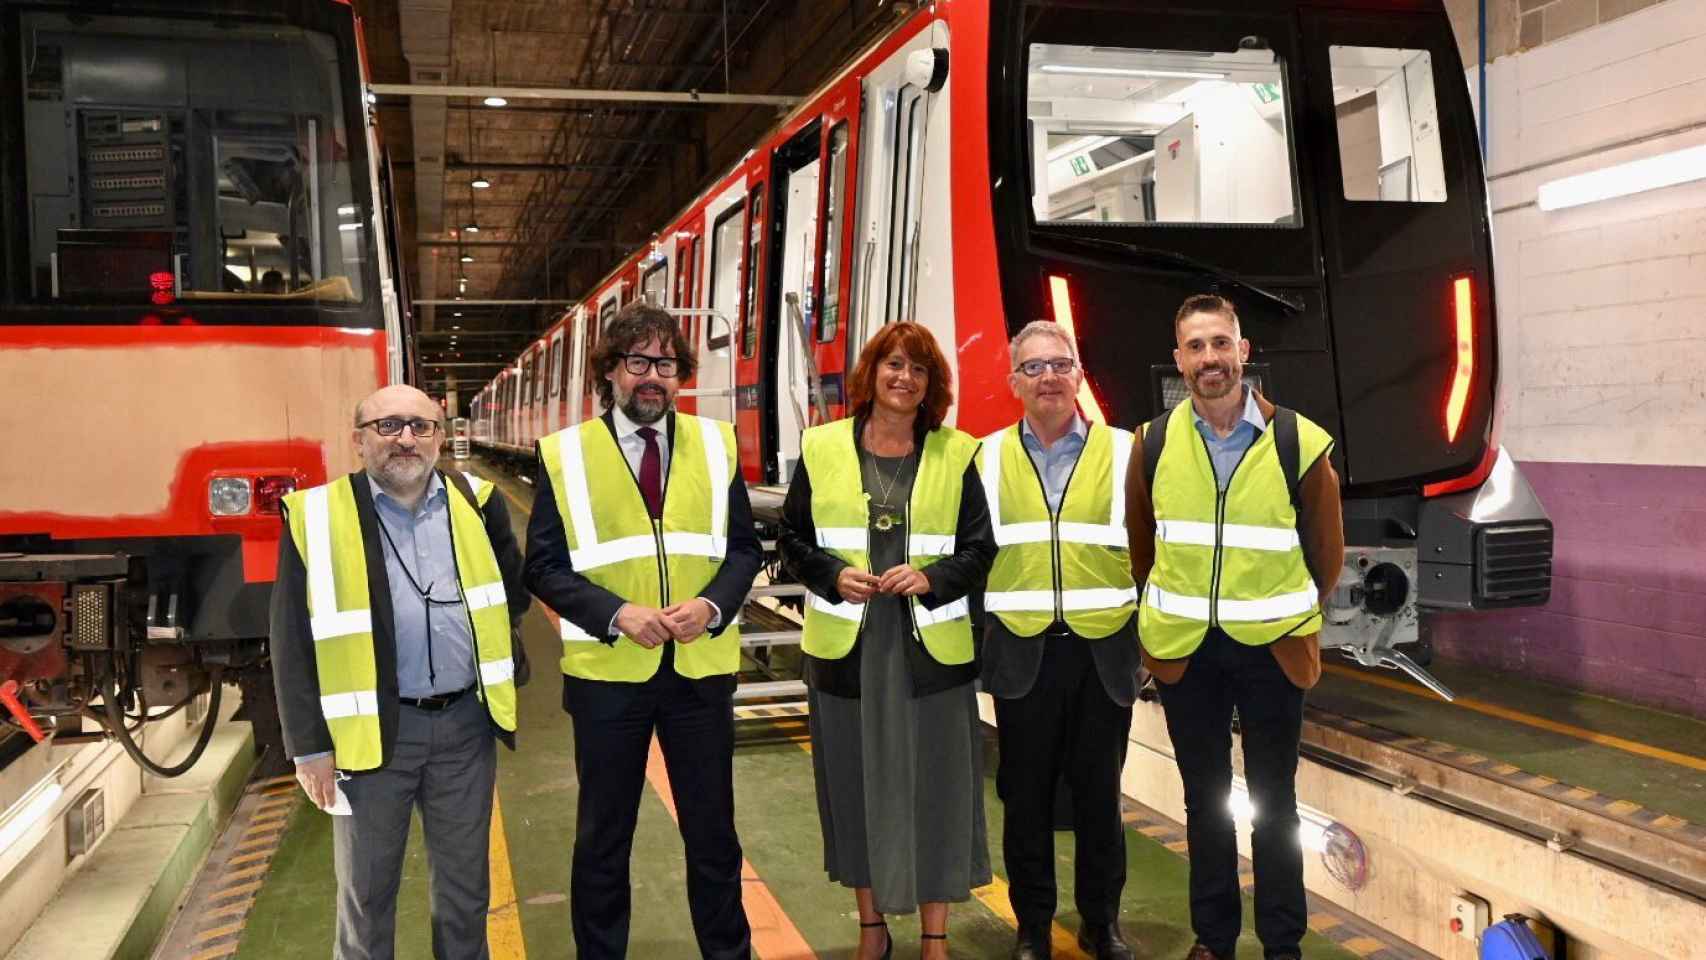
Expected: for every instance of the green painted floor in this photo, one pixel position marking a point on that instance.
(1654, 783)
(777, 817)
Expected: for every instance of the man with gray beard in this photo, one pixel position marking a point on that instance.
(395, 662)
(641, 540)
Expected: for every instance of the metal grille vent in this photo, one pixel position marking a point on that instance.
(1514, 562)
(89, 618)
(1170, 387)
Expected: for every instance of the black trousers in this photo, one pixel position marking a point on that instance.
(1225, 675)
(1066, 725)
(614, 724)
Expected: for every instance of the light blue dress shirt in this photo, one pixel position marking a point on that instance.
(1226, 453)
(424, 551)
(1055, 463)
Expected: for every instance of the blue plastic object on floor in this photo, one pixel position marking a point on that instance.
(1510, 939)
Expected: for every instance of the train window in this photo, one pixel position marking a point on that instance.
(556, 365)
(1388, 119)
(654, 286)
(608, 311)
(903, 209)
(754, 239)
(726, 247)
(568, 352)
(527, 377)
(829, 317)
(171, 160)
(1128, 136)
(692, 272)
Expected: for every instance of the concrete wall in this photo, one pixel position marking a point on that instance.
(1602, 325)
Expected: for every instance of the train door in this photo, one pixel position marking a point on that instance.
(578, 388)
(681, 297)
(905, 252)
(727, 218)
(756, 392)
(788, 364)
(554, 394)
(1402, 208)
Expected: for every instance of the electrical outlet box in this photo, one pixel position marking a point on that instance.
(1468, 917)
(85, 822)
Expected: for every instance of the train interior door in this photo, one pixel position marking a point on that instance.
(788, 362)
(727, 219)
(1402, 206)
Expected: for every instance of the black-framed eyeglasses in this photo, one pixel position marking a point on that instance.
(1060, 365)
(393, 426)
(638, 363)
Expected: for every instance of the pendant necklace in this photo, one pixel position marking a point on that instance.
(883, 519)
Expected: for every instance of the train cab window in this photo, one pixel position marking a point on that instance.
(1388, 119)
(828, 318)
(169, 160)
(726, 247)
(1129, 136)
(754, 239)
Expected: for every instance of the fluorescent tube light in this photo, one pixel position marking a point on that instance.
(1664, 170)
(1131, 72)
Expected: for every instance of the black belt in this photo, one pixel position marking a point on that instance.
(437, 701)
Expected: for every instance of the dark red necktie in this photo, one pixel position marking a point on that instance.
(651, 472)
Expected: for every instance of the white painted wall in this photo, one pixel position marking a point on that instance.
(1602, 308)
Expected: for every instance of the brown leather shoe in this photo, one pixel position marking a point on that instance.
(1200, 952)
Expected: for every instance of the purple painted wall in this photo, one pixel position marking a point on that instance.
(1627, 617)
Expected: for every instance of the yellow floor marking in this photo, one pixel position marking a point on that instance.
(236, 891)
(1579, 793)
(994, 895)
(774, 936)
(234, 910)
(1363, 946)
(1668, 822)
(1621, 808)
(1178, 846)
(215, 933)
(246, 872)
(1322, 922)
(229, 949)
(1517, 716)
(248, 858)
(503, 920)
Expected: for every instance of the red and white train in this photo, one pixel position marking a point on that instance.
(196, 286)
(990, 162)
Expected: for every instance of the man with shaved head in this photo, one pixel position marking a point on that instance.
(395, 658)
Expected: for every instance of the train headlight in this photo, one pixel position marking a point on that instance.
(228, 496)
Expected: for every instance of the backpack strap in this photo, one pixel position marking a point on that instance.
(1286, 445)
(1154, 439)
(461, 483)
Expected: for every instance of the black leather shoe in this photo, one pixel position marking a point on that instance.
(1200, 952)
(1031, 945)
(1103, 941)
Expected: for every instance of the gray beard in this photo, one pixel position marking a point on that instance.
(649, 414)
(395, 477)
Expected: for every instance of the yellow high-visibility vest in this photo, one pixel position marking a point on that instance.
(326, 529)
(1074, 566)
(619, 547)
(1231, 559)
(842, 519)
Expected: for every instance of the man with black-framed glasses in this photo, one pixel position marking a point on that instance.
(393, 618)
(1060, 654)
(641, 540)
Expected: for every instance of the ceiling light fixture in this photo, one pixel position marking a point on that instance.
(496, 102)
(467, 258)
(479, 182)
(1131, 72)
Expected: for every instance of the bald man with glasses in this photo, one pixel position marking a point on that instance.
(395, 660)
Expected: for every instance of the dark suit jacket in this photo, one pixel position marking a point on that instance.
(295, 677)
(589, 606)
(952, 577)
(1010, 662)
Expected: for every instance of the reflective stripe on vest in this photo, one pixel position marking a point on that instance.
(1081, 554)
(326, 528)
(1231, 558)
(622, 550)
(840, 515)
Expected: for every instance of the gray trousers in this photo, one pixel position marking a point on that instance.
(445, 762)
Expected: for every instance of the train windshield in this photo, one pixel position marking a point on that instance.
(1133, 136)
(172, 161)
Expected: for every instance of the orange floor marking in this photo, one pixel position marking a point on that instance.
(774, 936)
(1517, 716)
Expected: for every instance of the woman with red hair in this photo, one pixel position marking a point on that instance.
(886, 524)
